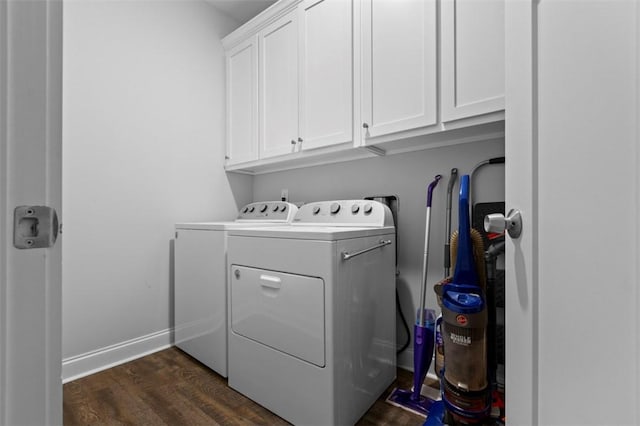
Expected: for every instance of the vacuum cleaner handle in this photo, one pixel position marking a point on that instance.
(465, 272)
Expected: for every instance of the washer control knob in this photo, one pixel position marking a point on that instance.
(263, 208)
(251, 209)
(355, 208)
(275, 208)
(246, 209)
(283, 208)
(368, 208)
(316, 210)
(335, 208)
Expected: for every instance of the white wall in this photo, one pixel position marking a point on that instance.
(406, 176)
(143, 149)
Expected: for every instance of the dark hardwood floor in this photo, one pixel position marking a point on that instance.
(171, 388)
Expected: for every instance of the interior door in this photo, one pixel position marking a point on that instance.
(572, 138)
(30, 174)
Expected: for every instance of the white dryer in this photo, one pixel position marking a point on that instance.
(312, 312)
(200, 293)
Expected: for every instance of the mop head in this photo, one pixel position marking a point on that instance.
(402, 398)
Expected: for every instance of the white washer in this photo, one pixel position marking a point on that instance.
(313, 335)
(200, 294)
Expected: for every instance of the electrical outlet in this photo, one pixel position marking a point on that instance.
(284, 195)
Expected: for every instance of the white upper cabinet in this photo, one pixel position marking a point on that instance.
(242, 102)
(313, 81)
(326, 73)
(472, 72)
(399, 68)
(278, 86)
(301, 68)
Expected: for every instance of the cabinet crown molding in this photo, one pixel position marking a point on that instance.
(258, 22)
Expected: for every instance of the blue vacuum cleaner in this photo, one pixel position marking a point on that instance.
(423, 334)
(466, 394)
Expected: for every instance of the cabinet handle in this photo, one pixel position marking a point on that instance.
(300, 140)
(226, 157)
(365, 125)
(293, 142)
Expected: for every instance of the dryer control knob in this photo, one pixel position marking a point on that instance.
(283, 208)
(355, 208)
(335, 208)
(246, 209)
(251, 209)
(263, 208)
(275, 208)
(316, 210)
(368, 208)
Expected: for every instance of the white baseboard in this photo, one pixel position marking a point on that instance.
(92, 362)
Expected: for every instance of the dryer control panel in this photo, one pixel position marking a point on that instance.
(276, 211)
(345, 213)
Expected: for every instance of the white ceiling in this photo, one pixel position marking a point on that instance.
(241, 10)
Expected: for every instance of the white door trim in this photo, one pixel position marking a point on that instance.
(521, 193)
(3, 202)
(30, 174)
(637, 204)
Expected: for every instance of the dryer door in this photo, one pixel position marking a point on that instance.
(279, 310)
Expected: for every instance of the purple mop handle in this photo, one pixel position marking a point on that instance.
(432, 185)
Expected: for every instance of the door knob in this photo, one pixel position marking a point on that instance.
(496, 222)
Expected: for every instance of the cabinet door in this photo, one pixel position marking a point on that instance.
(472, 57)
(326, 80)
(399, 65)
(242, 102)
(278, 100)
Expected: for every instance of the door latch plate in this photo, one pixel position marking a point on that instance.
(34, 227)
